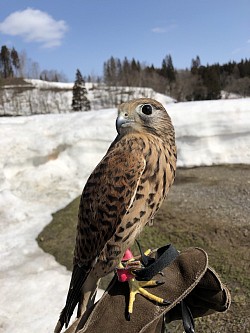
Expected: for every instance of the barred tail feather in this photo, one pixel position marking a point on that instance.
(79, 275)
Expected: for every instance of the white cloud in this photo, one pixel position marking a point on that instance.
(159, 30)
(34, 26)
(162, 30)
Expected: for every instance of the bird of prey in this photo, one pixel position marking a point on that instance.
(121, 196)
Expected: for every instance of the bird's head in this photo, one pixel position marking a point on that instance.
(144, 115)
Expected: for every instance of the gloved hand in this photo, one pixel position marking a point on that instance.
(187, 278)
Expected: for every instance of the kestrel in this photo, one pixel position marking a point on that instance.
(121, 196)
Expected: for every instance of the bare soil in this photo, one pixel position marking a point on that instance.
(208, 207)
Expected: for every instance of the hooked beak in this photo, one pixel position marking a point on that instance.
(122, 121)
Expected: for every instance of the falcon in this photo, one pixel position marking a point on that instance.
(121, 196)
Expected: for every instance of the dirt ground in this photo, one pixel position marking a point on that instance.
(208, 207)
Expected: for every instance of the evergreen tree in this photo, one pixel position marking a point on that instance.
(5, 62)
(168, 72)
(211, 79)
(80, 101)
(135, 73)
(195, 65)
(167, 69)
(112, 69)
(15, 59)
(126, 70)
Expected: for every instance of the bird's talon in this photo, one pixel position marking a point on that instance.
(166, 302)
(158, 283)
(148, 252)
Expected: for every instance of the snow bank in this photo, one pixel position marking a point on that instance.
(212, 132)
(45, 161)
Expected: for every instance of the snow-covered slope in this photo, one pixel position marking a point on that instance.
(44, 163)
(41, 97)
(212, 132)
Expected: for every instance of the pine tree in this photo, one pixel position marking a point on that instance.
(15, 59)
(167, 69)
(195, 65)
(80, 101)
(211, 79)
(5, 62)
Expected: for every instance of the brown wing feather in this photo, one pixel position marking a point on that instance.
(106, 199)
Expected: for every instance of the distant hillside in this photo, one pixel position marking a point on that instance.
(20, 97)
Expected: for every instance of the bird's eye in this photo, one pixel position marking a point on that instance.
(147, 109)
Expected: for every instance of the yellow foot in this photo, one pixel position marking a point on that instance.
(136, 287)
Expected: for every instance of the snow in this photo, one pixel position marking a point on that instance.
(212, 132)
(42, 97)
(45, 161)
(40, 84)
(227, 95)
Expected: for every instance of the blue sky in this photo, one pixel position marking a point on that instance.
(65, 35)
